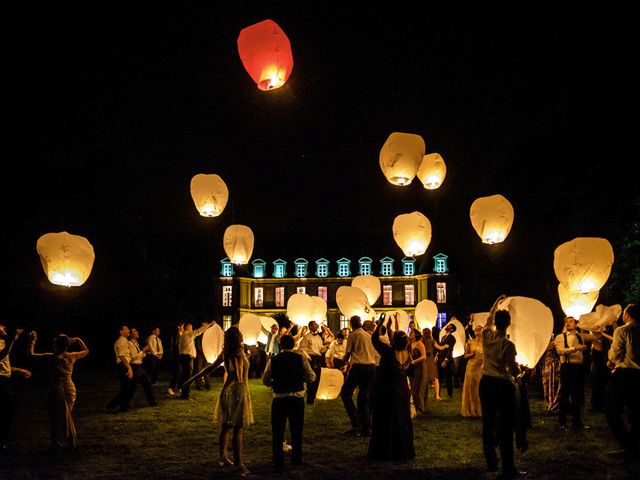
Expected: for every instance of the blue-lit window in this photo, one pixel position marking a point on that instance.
(301, 268)
(258, 268)
(279, 269)
(343, 267)
(386, 267)
(226, 268)
(440, 263)
(322, 268)
(408, 266)
(364, 266)
(442, 319)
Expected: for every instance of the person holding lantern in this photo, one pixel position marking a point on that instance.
(445, 359)
(313, 346)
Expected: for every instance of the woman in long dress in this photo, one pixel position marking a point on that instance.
(430, 346)
(234, 409)
(551, 377)
(62, 391)
(418, 372)
(392, 430)
(471, 387)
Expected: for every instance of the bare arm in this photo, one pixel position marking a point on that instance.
(83, 352)
(210, 368)
(423, 353)
(490, 319)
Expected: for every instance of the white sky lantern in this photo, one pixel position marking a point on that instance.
(266, 322)
(575, 304)
(212, 341)
(300, 309)
(319, 312)
(602, 317)
(400, 157)
(402, 317)
(480, 318)
(426, 314)
(209, 193)
(238, 243)
(370, 285)
(250, 327)
(531, 328)
(67, 259)
(492, 218)
(583, 264)
(459, 335)
(353, 301)
(432, 171)
(412, 233)
(331, 381)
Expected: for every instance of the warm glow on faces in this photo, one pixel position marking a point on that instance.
(570, 323)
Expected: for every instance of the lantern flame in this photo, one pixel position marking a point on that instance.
(66, 278)
(271, 78)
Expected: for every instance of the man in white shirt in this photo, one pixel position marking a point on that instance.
(120, 403)
(272, 346)
(312, 345)
(188, 353)
(136, 354)
(152, 360)
(336, 353)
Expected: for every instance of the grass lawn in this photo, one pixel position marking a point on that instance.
(177, 439)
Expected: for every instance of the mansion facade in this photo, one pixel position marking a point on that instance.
(263, 289)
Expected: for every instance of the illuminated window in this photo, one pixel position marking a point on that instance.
(441, 292)
(226, 322)
(301, 289)
(301, 268)
(442, 319)
(226, 268)
(322, 268)
(279, 268)
(258, 295)
(344, 322)
(322, 293)
(258, 268)
(408, 266)
(279, 296)
(227, 292)
(343, 267)
(387, 295)
(386, 267)
(409, 295)
(440, 263)
(364, 266)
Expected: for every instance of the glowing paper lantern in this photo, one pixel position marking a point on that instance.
(602, 317)
(353, 301)
(575, 304)
(432, 171)
(238, 243)
(459, 335)
(480, 318)
(531, 328)
(66, 259)
(583, 264)
(209, 193)
(250, 327)
(319, 312)
(412, 233)
(331, 380)
(426, 314)
(266, 322)
(300, 308)
(212, 341)
(401, 316)
(265, 52)
(400, 157)
(492, 218)
(370, 285)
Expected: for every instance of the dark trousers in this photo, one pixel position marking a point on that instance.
(624, 391)
(571, 393)
(283, 409)
(312, 388)
(6, 410)
(140, 377)
(200, 363)
(498, 401)
(600, 374)
(360, 377)
(177, 373)
(121, 400)
(186, 364)
(152, 365)
(445, 373)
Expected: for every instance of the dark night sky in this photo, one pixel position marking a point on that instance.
(114, 108)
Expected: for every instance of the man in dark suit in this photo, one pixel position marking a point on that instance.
(445, 358)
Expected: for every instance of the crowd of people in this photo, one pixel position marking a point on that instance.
(391, 369)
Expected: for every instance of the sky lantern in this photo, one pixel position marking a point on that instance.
(250, 327)
(401, 316)
(319, 312)
(370, 285)
(480, 318)
(492, 218)
(426, 314)
(300, 309)
(238, 243)
(583, 264)
(330, 385)
(352, 301)
(400, 157)
(412, 233)
(265, 52)
(575, 304)
(459, 335)
(266, 322)
(67, 259)
(602, 317)
(432, 171)
(209, 193)
(531, 328)
(212, 341)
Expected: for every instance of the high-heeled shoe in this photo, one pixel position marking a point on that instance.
(225, 462)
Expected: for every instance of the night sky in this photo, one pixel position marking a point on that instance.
(113, 108)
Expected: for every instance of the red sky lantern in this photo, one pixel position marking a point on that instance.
(265, 52)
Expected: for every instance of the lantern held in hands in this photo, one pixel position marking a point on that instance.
(602, 317)
(399, 317)
(330, 385)
(300, 309)
(492, 218)
(426, 314)
(583, 264)
(266, 322)
(238, 243)
(250, 327)
(459, 335)
(370, 285)
(265, 52)
(353, 302)
(67, 259)
(400, 157)
(575, 304)
(412, 233)
(212, 341)
(319, 312)
(432, 171)
(209, 193)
